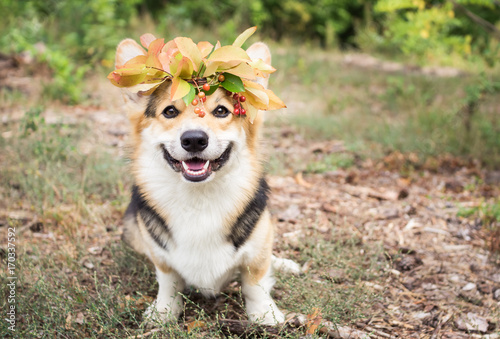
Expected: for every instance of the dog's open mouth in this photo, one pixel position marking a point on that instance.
(196, 169)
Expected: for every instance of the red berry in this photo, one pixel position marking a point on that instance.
(243, 99)
(206, 87)
(203, 99)
(201, 95)
(237, 111)
(221, 78)
(243, 111)
(228, 93)
(202, 114)
(194, 102)
(236, 96)
(237, 105)
(197, 110)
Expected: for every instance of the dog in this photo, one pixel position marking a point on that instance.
(199, 204)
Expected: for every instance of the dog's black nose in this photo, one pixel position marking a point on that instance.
(194, 140)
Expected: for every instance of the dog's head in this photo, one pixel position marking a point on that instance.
(169, 135)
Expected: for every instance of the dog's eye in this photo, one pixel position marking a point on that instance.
(221, 112)
(170, 112)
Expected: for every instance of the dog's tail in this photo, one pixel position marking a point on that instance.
(285, 265)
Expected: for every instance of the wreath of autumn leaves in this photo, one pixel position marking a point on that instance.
(198, 70)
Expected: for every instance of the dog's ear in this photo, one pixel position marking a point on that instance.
(126, 50)
(259, 50)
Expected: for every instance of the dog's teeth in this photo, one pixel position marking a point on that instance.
(185, 166)
(206, 165)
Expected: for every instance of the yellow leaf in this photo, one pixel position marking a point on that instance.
(145, 89)
(252, 112)
(137, 61)
(179, 89)
(240, 40)
(243, 70)
(260, 96)
(125, 77)
(261, 69)
(205, 48)
(181, 66)
(189, 50)
(228, 53)
(153, 61)
(215, 66)
(274, 101)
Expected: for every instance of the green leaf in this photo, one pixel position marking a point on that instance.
(233, 83)
(188, 98)
(211, 90)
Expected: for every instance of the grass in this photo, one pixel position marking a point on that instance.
(331, 162)
(55, 163)
(377, 112)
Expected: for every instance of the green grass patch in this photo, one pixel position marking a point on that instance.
(331, 162)
(56, 163)
(334, 282)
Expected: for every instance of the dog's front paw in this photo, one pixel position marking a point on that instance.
(265, 314)
(156, 316)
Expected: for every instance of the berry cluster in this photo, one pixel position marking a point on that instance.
(202, 97)
(238, 106)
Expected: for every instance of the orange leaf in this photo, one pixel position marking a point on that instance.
(195, 324)
(179, 89)
(313, 321)
(156, 46)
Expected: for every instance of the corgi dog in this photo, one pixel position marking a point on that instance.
(199, 205)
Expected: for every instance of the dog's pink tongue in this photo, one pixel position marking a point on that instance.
(195, 164)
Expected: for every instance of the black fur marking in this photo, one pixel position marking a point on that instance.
(154, 99)
(244, 226)
(155, 225)
(151, 108)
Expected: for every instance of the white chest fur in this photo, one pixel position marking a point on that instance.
(198, 217)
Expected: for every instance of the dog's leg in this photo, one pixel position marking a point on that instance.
(168, 305)
(286, 266)
(257, 281)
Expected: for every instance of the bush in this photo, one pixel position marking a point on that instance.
(65, 35)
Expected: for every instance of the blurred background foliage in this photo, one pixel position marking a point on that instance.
(74, 36)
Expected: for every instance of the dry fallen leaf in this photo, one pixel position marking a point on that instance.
(68, 322)
(192, 325)
(299, 179)
(313, 321)
(79, 318)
